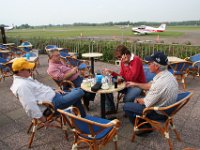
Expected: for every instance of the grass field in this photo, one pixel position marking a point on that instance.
(77, 31)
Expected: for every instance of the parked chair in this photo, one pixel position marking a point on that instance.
(5, 69)
(161, 125)
(64, 52)
(180, 71)
(93, 131)
(51, 117)
(50, 47)
(26, 46)
(194, 69)
(83, 65)
(63, 84)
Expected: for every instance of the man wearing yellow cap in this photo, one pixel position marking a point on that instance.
(30, 92)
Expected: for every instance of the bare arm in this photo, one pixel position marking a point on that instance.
(144, 86)
(71, 73)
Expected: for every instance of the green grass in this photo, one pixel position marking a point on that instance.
(85, 31)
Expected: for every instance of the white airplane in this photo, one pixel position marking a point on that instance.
(8, 27)
(143, 29)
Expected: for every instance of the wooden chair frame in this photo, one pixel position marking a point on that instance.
(90, 138)
(36, 124)
(63, 83)
(4, 74)
(71, 60)
(195, 69)
(162, 127)
(120, 97)
(183, 69)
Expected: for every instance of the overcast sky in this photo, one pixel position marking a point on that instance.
(44, 12)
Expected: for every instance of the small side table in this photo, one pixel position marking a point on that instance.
(92, 56)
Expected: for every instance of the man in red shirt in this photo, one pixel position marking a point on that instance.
(131, 69)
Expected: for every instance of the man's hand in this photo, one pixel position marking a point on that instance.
(74, 70)
(60, 91)
(139, 100)
(131, 84)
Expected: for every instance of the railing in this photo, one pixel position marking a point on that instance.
(80, 46)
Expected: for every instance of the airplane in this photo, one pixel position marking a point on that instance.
(143, 29)
(8, 27)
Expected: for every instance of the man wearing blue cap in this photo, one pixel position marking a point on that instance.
(162, 91)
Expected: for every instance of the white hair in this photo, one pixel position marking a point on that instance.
(161, 67)
(50, 52)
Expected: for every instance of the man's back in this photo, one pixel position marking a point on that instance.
(163, 91)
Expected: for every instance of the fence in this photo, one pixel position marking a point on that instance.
(107, 47)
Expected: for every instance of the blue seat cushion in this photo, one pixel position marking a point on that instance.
(64, 54)
(85, 129)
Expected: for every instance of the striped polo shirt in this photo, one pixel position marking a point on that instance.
(163, 91)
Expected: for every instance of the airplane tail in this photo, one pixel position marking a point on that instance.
(162, 27)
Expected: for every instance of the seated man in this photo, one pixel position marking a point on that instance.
(162, 91)
(60, 71)
(30, 91)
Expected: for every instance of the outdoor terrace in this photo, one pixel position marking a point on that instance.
(14, 122)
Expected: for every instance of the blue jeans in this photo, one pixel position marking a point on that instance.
(73, 97)
(131, 93)
(132, 109)
(77, 82)
(87, 96)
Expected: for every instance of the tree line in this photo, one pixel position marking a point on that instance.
(178, 23)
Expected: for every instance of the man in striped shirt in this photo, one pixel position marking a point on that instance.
(162, 91)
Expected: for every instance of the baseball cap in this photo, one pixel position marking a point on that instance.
(158, 57)
(22, 63)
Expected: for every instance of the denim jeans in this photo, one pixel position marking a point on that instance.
(131, 93)
(73, 97)
(132, 109)
(88, 96)
(77, 82)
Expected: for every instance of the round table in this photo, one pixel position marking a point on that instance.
(9, 44)
(92, 56)
(5, 51)
(86, 87)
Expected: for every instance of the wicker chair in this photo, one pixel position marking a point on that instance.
(161, 125)
(93, 131)
(50, 117)
(194, 69)
(180, 71)
(5, 69)
(64, 83)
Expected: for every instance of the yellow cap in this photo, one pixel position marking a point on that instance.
(22, 63)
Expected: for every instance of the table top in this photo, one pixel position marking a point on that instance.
(31, 59)
(173, 59)
(87, 87)
(9, 44)
(5, 51)
(92, 54)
